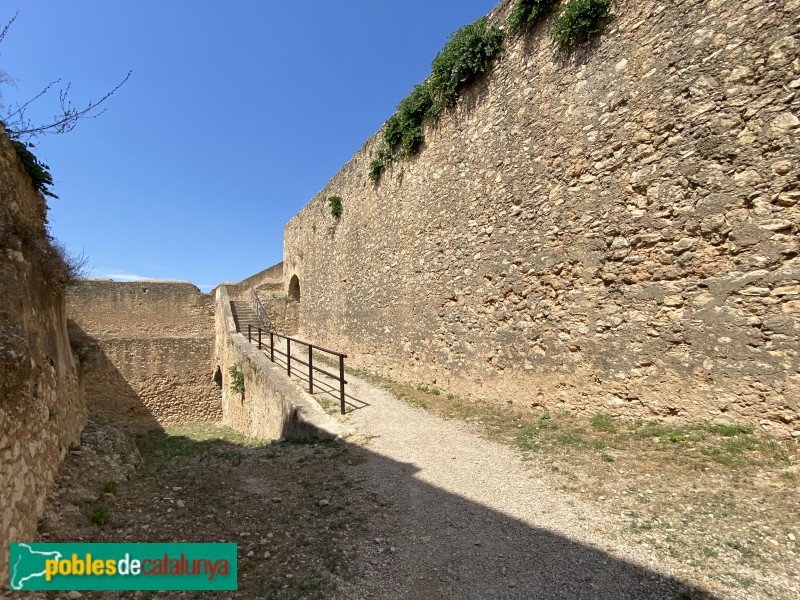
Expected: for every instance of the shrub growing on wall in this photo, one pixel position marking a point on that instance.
(404, 129)
(527, 12)
(36, 170)
(464, 58)
(578, 20)
(237, 380)
(335, 202)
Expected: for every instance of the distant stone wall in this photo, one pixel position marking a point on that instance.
(270, 279)
(42, 410)
(272, 290)
(147, 350)
(616, 231)
(272, 406)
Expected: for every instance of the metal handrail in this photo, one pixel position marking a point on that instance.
(261, 312)
(310, 364)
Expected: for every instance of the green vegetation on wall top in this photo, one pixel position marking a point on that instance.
(527, 12)
(38, 171)
(578, 20)
(464, 58)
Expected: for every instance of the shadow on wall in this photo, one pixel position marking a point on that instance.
(446, 545)
(108, 394)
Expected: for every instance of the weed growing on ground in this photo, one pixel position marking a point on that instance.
(100, 514)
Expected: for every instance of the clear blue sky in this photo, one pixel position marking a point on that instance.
(236, 114)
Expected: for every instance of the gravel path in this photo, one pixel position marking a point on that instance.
(468, 518)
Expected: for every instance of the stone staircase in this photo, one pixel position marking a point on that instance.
(244, 314)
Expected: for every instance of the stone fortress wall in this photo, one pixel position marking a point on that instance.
(147, 350)
(281, 307)
(616, 231)
(42, 411)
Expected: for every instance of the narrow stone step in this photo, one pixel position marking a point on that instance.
(244, 315)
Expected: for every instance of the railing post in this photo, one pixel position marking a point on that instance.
(310, 370)
(288, 357)
(248, 334)
(341, 381)
(272, 346)
(259, 338)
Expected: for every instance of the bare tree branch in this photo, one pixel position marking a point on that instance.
(63, 122)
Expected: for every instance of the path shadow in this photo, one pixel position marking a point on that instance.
(415, 541)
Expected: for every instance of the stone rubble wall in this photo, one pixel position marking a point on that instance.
(272, 406)
(272, 290)
(281, 311)
(42, 410)
(147, 350)
(616, 231)
(267, 280)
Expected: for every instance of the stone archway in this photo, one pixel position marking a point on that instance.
(294, 288)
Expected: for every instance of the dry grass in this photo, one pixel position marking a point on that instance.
(721, 500)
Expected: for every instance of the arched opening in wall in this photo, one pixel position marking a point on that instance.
(218, 378)
(294, 288)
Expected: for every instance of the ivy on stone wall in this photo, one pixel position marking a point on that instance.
(464, 58)
(527, 12)
(578, 20)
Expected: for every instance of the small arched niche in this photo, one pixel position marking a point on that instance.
(218, 377)
(294, 288)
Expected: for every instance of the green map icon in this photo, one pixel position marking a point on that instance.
(28, 565)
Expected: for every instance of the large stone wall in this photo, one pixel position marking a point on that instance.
(147, 350)
(42, 411)
(614, 231)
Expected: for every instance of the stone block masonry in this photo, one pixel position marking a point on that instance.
(615, 232)
(42, 410)
(147, 350)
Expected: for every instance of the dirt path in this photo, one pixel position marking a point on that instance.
(469, 518)
(413, 505)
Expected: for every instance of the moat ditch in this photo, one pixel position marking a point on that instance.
(432, 496)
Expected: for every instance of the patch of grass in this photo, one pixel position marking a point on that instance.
(729, 430)
(100, 514)
(573, 436)
(603, 422)
(196, 440)
(608, 458)
(110, 487)
(745, 550)
(676, 438)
